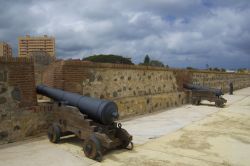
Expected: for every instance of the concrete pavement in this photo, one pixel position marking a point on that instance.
(188, 135)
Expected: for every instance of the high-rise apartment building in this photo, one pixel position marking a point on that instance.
(5, 50)
(27, 46)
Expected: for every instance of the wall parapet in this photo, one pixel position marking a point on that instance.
(73, 73)
(216, 72)
(89, 64)
(16, 60)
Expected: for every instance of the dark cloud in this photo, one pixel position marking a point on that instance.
(178, 32)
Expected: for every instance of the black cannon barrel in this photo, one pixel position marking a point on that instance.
(103, 111)
(217, 92)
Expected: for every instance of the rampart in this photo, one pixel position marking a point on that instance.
(220, 80)
(135, 89)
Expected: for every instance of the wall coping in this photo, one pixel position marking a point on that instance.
(16, 60)
(108, 65)
(215, 72)
(138, 67)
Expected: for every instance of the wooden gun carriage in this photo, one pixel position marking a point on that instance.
(199, 93)
(98, 128)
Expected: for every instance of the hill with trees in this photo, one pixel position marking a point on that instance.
(110, 58)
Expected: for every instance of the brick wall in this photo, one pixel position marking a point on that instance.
(53, 75)
(18, 73)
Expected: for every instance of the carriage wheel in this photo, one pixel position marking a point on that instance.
(196, 101)
(54, 133)
(219, 103)
(92, 148)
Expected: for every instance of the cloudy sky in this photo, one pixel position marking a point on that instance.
(179, 33)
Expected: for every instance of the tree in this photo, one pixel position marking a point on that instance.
(149, 62)
(190, 68)
(223, 70)
(146, 60)
(216, 69)
(110, 58)
(241, 70)
(156, 63)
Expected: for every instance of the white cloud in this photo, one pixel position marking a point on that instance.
(177, 32)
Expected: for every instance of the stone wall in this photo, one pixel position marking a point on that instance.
(20, 116)
(135, 89)
(220, 80)
(19, 123)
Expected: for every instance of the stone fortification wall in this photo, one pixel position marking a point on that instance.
(19, 123)
(220, 80)
(20, 116)
(136, 89)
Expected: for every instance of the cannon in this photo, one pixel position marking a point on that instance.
(200, 93)
(103, 111)
(90, 119)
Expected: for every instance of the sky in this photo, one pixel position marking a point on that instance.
(179, 33)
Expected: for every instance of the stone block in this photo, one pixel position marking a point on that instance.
(16, 94)
(3, 100)
(2, 89)
(3, 135)
(3, 76)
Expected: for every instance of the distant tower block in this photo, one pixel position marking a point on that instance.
(5, 50)
(28, 45)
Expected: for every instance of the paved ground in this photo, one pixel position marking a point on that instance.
(189, 135)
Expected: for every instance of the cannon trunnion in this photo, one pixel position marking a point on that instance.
(199, 93)
(99, 131)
